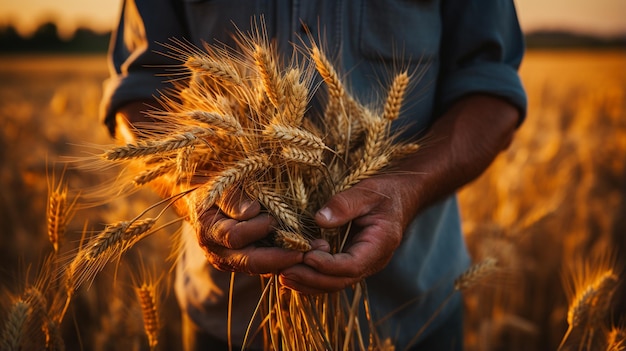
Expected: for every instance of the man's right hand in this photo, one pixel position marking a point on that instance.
(228, 233)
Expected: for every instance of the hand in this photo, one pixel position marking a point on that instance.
(463, 142)
(380, 210)
(228, 233)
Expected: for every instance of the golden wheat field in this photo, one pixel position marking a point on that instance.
(551, 209)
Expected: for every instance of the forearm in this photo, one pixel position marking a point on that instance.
(458, 148)
(130, 119)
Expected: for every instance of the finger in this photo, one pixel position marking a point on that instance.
(346, 206)
(234, 234)
(320, 244)
(253, 260)
(306, 280)
(360, 260)
(237, 205)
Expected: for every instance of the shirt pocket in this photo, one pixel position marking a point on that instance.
(400, 29)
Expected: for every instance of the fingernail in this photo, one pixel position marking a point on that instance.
(325, 213)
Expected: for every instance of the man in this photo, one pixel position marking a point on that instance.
(408, 243)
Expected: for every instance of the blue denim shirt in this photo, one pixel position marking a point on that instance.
(456, 47)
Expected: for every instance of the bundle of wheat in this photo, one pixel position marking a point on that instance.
(238, 122)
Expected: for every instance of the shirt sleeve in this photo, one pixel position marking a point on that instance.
(138, 68)
(481, 49)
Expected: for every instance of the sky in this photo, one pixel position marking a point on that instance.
(602, 17)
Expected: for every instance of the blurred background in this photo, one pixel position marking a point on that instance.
(551, 204)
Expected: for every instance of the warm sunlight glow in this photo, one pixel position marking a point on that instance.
(27, 15)
(604, 17)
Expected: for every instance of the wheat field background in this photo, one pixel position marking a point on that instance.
(555, 200)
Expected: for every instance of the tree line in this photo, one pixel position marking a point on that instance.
(46, 39)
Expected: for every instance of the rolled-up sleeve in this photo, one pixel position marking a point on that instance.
(481, 49)
(137, 65)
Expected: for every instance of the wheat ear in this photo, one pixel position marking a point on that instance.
(585, 300)
(296, 98)
(292, 241)
(472, 276)
(475, 274)
(146, 294)
(296, 136)
(58, 213)
(268, 71)
(233, 175)
(275, 203)
(152, 147)
(151, 174)
(365, 169)
(395, 96)
(11, 337)
(218, 70)
(224, 122)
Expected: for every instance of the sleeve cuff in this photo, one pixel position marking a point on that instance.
(489, 78)
(119, 90)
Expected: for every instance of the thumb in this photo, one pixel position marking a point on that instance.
(344, 207)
